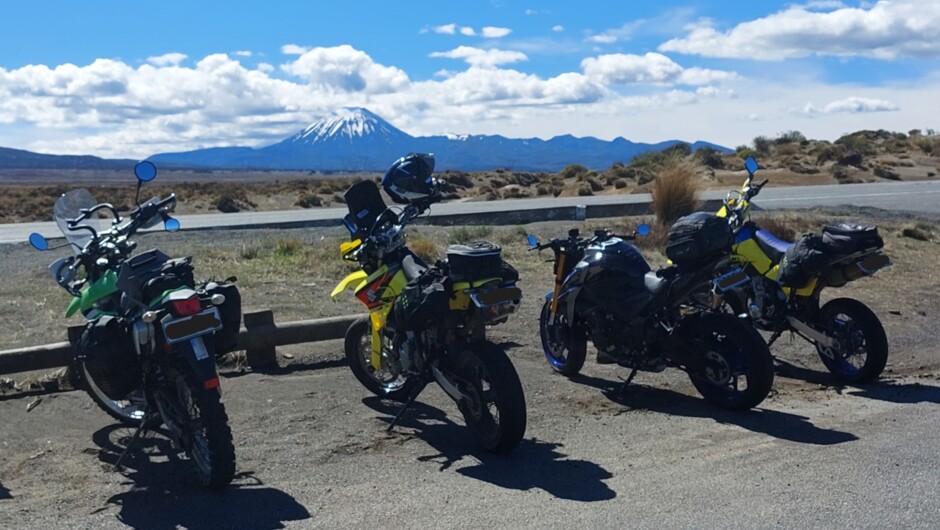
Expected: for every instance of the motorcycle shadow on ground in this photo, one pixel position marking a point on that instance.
(4, 493)
(882, 390)
(164, 493)
(782, 425)
(534, 464)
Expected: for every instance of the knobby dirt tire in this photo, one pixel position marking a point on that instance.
(483, 360)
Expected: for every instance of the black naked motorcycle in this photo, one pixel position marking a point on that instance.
(638, 318)
(147, 353)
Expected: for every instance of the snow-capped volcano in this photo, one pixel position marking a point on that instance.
(349, 124)
(354, 139)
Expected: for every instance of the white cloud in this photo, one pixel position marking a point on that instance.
(293, 49)
(558, 28)
(167, 59)
(266, 67)
(603, 39)
(852, 105)
(493, 32)
(242, 53)
(446, 29)
(346, 69)
(481, 57)
(468, 31)
(652, 67)
(885, 30)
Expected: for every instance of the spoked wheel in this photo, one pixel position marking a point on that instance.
(129, 411)
(387, 382)
(861, 350)
(207, 437)
(737, 371)
(496, 414)
(564, 347)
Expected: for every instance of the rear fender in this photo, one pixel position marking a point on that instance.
(198, 354)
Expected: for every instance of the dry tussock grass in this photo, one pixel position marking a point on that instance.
(675, 191)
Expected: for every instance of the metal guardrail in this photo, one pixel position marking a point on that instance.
(259, 338)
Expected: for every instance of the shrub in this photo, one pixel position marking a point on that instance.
(585, 190)
(542, 189)
(572, 171)
(886, 173)
(339, 198)
(309, 201)
(468, 234)
(620, 184)
(425, 248)
(674, 192)
(287, 247)
(744, 152)
(915, 232)
(595, 184)
(762, 145)
(790, 137)
(710, 157)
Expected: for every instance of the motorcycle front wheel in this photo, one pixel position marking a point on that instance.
(496, 413)
(565, 347)
(207, 437)
(862, 346)
(737, 369)
(385, 382)
(129, 411)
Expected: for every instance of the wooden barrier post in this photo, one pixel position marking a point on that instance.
(260, 355)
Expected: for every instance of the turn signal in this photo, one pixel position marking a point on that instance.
(183, 308)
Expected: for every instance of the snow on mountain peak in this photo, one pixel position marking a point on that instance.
(346, 123)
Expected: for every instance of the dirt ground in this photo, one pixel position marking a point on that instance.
(312, 450)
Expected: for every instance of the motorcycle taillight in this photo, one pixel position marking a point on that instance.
(184, 308)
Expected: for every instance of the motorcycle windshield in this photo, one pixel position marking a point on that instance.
(69, 206)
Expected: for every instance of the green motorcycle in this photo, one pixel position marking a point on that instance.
(146, 354)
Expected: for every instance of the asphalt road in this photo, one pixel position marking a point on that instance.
(921, 196)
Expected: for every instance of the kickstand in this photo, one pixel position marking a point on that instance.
(140, 429)
(626, 382)
(773, 338)
(401, 411)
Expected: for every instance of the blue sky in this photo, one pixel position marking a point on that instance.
(118, 78)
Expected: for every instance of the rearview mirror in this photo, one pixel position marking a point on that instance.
(145, 171)
(171, 225)
(532, 240)
(643, 230)
(38, 241)
(751, 165)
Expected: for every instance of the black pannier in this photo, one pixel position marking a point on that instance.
(698, 237)
(226, 339)
(477, 261)
(806, 259)
(849, 238)
(107, 347)
(422, 301)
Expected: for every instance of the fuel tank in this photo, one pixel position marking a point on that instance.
(611, 276)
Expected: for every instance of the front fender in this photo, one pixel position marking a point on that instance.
(73, 306)
(357, 278)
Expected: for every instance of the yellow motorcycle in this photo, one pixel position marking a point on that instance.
(428, 323)
(786, 280)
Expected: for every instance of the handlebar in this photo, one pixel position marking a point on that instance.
(87, 212)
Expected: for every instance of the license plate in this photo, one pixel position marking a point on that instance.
(507, 294)
(186, 328)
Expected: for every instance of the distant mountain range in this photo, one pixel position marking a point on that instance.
(355, 139)
(18, 159)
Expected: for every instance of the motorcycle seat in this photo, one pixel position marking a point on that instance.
(772, 245)
(653, 282)
(412, 268)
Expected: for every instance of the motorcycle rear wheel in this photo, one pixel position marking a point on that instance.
(497, 414)
(863, 346)
(733, 354)
(382, 383)
(207, 435)
(564, 347)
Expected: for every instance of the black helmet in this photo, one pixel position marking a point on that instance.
(409, 179)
